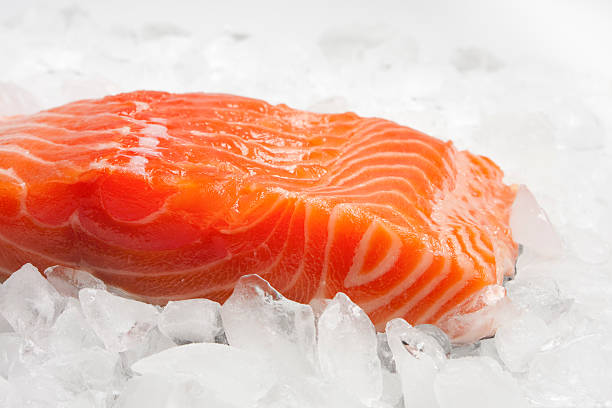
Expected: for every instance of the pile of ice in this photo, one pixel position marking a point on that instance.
(67, 341)
(526, 83)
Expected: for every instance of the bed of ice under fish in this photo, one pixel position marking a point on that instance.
(540, 109)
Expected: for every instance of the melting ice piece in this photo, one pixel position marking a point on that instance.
(418, 356)
(69, 281)
(519, 339)
(231, 375)
(347, 349)
(477, 382)
(531, 227)
(120, 323)
(28, 302)
(191, 321)
(258, 318)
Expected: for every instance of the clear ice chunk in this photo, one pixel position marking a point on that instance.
(70, 332)
(229, 374)
(154, 342)
(120, 323)
(191, 321)
(347, 349)
(438, 334)
(531, 227)
(418, 356)
(28, 302)
(259, 319)
(519, 339)
(539, 295)
(68, 281)
(477, 382)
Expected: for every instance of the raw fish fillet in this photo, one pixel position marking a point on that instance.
(168, 196)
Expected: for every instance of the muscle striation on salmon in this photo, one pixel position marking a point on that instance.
(174, 196)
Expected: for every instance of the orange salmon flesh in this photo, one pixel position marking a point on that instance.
(169, 196)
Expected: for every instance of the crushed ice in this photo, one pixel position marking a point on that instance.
(533, 94)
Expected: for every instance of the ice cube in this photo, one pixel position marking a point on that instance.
(538, 294)
(154, 342)
(347, 349)
(70, 331)
(474, 382)
(531, 227)
(191, 321)
(120, 323)
(258, 318)
(418, 356)
(68, 281)
(217, 367)
(488, 349)
(519, 339)
(28, 302)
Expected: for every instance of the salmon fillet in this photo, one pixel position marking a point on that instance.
(169, 196)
